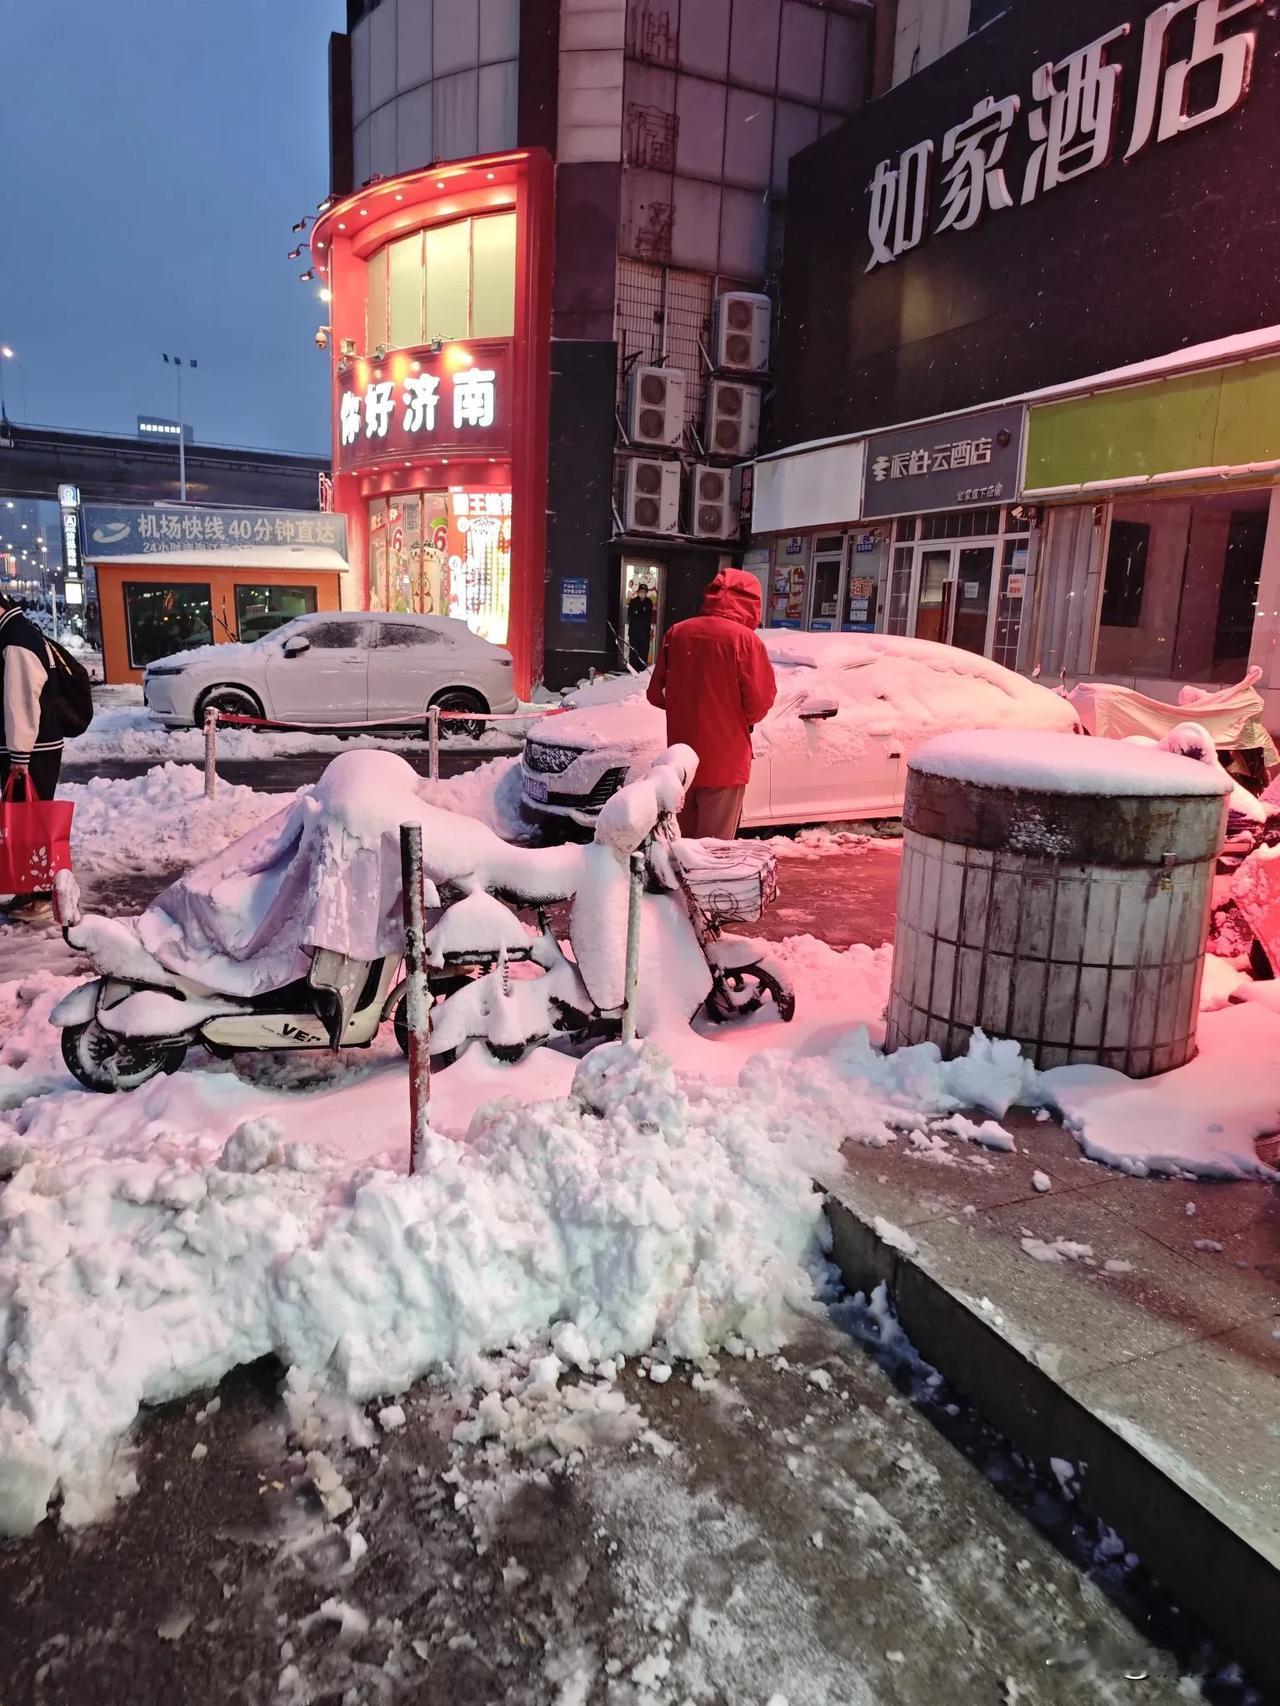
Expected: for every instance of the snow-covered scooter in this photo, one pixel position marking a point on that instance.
(513, 989)
(494, 979)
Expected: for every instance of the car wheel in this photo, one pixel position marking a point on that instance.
(228, 702)
(461, 699)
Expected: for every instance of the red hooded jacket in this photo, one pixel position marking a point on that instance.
(715, 681)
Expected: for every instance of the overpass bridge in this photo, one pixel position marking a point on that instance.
(35, 461)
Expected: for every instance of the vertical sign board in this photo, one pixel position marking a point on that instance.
(69, 528)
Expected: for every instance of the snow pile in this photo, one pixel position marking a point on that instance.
(1065, 764)
(490, 792)
(639, 1212)
(125, 730)
(158, 821)
(1201, 1119)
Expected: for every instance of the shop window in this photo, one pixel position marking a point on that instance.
(376, 309)
(961, 524)
(1126, 574)
(261, 609)
(404, 292)
(448, 281)
(1238, 600)
(493, 276)
(899, 592)
(1180, 588)
(453, 281)
(163, 618)
(1014, 590)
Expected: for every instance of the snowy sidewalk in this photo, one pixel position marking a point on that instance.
(783, 1530)
(1127, 1327)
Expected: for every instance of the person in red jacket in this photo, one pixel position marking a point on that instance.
(715, 682)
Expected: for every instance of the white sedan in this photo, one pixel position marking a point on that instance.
(851, 709)
(337, 667)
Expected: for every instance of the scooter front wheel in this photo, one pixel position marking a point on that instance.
(106, 1063)
(743, 990)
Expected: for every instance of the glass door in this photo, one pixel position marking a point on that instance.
(971, 603)
(641, 627)
(933, 605)
(828, 573)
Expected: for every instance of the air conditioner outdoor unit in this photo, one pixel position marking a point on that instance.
(713, 513)
(651, 496)
(742, 332)
(733, 418)
(655, 405)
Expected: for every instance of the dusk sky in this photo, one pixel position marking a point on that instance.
(155, 154)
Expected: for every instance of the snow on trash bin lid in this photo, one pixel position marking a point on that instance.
(1066, 764)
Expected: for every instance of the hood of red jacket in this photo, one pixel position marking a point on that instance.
(735, 594)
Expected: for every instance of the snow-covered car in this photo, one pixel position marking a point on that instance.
(334, 668)
(851, 709)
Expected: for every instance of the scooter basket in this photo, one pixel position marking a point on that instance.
(733, 881)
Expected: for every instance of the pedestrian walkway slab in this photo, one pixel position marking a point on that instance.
(1158, 1375)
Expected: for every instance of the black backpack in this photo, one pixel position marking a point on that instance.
(70, 690)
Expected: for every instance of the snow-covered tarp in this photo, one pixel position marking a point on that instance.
(323, 873)
(1233, 715)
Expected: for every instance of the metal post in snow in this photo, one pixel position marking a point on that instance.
(433, 743)
(635, 897)
(210, 752)
(417, 993)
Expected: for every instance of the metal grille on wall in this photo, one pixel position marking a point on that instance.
(664, 315)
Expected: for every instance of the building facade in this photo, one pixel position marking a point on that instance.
(1029, 342)
(645, 145)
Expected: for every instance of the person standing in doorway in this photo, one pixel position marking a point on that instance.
(639, 627)
(715, 682)
(32, 751)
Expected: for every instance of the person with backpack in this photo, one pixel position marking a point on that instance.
(44, 696)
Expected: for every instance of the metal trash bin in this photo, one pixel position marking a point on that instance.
(1055, 889)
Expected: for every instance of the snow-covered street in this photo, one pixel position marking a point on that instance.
(160, 1239)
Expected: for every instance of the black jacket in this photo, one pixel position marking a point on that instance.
(30, 718)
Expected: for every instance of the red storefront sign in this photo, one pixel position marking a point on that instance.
(426, 403)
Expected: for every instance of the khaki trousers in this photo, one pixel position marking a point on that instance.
(712, 812)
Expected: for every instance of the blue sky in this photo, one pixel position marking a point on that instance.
(155, 154)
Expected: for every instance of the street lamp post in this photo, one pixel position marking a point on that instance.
(6, 354)
(177, 362)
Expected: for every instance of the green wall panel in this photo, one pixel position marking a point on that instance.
(1197, 420)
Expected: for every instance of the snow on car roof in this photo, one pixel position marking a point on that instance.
(1067, 764)
(887, 684)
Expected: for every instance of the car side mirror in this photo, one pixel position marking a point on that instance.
(818, 710)
(295, 645)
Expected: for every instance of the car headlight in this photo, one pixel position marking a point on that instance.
(151, 672)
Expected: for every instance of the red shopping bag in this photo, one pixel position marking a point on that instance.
(35, 839)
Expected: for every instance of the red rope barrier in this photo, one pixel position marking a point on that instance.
(228, 719)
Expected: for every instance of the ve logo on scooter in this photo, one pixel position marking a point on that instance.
(299, 1034)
